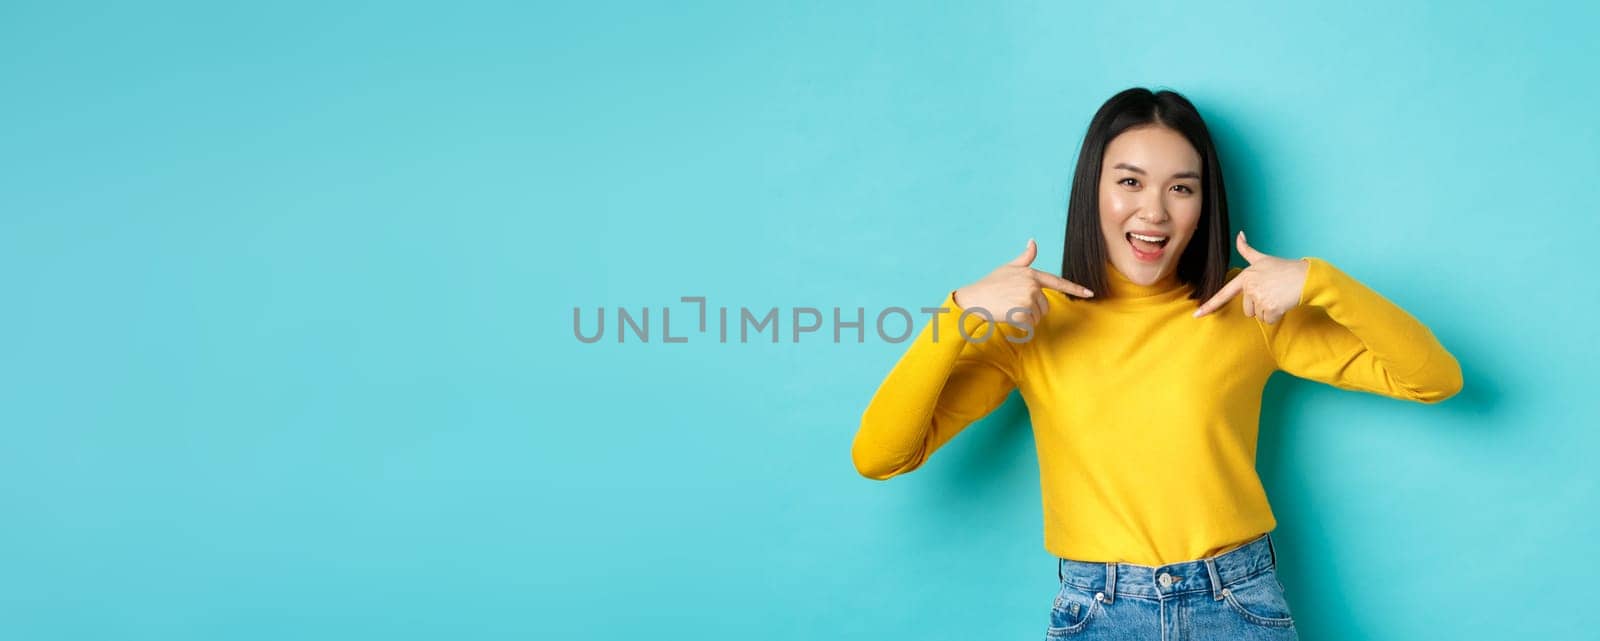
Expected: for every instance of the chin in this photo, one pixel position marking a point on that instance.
(1147, 269)
(1141, 272)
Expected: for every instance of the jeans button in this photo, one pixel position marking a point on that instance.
(1165, 579)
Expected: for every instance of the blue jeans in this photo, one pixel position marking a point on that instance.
(1235, 595)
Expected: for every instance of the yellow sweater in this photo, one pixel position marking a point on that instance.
(1144, 417)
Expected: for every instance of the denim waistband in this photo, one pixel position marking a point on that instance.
(1206, 574)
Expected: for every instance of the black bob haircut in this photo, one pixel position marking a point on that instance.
(1204, 262)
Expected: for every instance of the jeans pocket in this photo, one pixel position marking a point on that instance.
(1073, 609)
(1260, 600)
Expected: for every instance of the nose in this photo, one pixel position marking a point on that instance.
(1154, 211)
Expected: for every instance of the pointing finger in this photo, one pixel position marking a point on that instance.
(1221, 298)
(1052, 281)
(1026, 258)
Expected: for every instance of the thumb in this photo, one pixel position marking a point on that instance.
(1026, 258)
(1246, 251)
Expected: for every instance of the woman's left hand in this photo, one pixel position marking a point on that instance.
(1271, 285)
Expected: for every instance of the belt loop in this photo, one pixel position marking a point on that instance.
(1111, 581)
(1272, 550)
(1059, 578)
(1216, 581)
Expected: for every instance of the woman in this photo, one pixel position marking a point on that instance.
(1142, 366)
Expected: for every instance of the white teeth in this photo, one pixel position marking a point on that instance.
(1148, 239)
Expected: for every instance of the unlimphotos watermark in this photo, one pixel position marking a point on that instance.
(890, 324)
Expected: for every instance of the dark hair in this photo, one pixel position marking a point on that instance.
(1204, 262)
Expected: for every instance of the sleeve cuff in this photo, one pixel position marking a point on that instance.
(970, 325)
(1322, 282)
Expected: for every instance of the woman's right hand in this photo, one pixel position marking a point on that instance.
(1016, 285)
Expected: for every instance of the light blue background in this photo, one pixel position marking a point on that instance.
(288, 301)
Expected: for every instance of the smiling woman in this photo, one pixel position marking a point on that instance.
(1144, 405)
(1173, 178)
(1148, 168)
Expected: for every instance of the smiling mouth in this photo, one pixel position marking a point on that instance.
(1147, 247)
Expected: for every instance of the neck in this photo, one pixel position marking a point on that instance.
(1124, 288)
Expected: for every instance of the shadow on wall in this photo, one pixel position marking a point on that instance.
(1309, 574)
(978, 470)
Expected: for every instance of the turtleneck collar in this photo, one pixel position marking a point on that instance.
(1126, 291)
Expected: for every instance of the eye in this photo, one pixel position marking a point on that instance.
(1130, 181)
(1185, 189)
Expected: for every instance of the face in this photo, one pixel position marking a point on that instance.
(1150, 186)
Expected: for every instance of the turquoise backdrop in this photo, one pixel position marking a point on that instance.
(289, 291)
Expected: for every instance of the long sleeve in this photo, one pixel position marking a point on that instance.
(941, 384)
(1347, 335)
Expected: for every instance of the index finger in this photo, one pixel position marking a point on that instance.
(1052, 281)
(1221, 298)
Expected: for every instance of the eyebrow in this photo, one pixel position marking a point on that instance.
(1141, 172)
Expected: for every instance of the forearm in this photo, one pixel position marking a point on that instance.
(899, 420)
(1408, 351)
